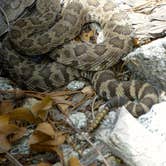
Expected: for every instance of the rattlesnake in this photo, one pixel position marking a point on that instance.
(50, 31)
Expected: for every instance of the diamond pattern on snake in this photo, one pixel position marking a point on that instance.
(49, 32)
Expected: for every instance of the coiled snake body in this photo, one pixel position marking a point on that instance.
(49, 32)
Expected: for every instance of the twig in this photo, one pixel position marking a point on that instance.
(85, 98)
(87, 139)
(11, 158)
(39, 95)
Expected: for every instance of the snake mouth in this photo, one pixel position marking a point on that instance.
(91, 32)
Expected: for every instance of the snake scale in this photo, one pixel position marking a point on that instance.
(50, 31)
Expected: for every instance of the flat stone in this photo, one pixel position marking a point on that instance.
(148, 63)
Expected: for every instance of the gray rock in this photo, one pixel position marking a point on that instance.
(154, 121)
(134, 144)
(147, 18)
(30, 102)
(6, 85)
(149, 63)
(75, 85)
(78, 119)
(22, 146)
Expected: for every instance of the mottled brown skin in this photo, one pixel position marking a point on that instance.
(43, 34)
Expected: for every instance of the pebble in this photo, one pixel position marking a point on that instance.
(78, 119)
(5, 85)
(75, 85)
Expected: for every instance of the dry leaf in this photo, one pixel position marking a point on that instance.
(45, 128)
(45, 139)
(40, 110)
(22, 114)
(73, 161)
(62, 103)
(44, 164)
(5, 107)
(18, 134)
(7, 130)
(88, 90)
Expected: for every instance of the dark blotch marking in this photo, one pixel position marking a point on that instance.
(44, 39)
(100, 49)
(58, 77)
(112, 88)
(74, 63)
(103, 76)
(126, 87)
(45, 71)
(117, 101)
(27, 42)
(67, 53)
(70, 18)
(21, 23)
(35, 21)
(27, 71)
(148, 102)
(80, 49)
(149, 89)
(122, 30)
(129, 107)
(104, 95)
(35, 83)
(60, 30)
(138, 85)
(117, 42)
(65, 74)
(15, 34)
(139, 110)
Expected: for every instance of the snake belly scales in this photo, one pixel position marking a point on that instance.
(50, 31)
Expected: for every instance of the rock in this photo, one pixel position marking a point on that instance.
(30, 102)
(154, 120)
(6, 85)
(90, 156)
(68, 152)
(75, 85)
(131, 142)
(149, 63)
(22, 146)
(147, 19)
(78, 119)
(152, 125)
